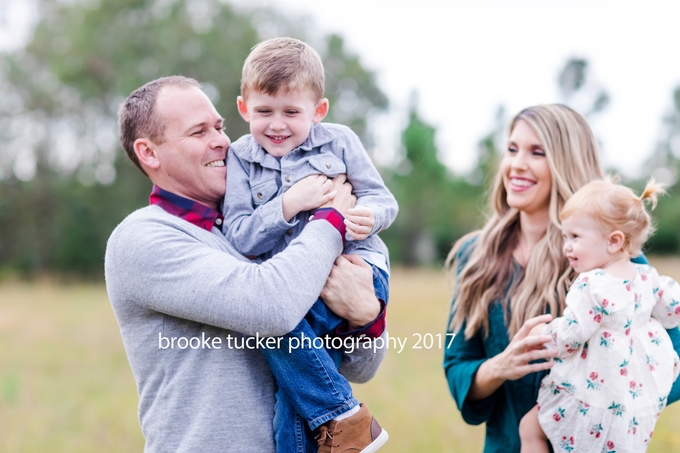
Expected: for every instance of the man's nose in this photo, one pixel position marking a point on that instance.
(220, 140)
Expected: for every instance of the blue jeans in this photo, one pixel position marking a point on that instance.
(311, 391)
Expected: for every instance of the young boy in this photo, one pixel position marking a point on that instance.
(276, 177)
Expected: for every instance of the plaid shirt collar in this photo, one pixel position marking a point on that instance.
(189, 210)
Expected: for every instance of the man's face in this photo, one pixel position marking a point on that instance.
(280, 123)
(192, 156)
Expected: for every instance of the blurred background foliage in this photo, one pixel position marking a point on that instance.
(65, 182)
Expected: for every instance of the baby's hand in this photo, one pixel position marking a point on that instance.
(307, 194)
(359, 222)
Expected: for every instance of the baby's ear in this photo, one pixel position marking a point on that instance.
(616, 241)
(321, 110)
(243, 109)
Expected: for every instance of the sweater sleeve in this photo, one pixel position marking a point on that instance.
(175, 269)
(252, 230)
(367, 183)
(462, 359)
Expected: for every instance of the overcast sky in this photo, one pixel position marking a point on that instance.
(467, 57)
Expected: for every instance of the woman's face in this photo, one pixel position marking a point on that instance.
(526, 175)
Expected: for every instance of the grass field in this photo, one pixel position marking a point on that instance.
(65, 385)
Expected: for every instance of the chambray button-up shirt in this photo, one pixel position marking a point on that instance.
(256, 181)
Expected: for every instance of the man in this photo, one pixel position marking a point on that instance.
(192, 311)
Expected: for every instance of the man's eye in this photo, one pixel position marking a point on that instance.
(198, 132)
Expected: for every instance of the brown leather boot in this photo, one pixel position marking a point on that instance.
(359, 433)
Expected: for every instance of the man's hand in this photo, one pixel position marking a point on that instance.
(307, 194)
(349, 291)
(343, 200)
(359, 221)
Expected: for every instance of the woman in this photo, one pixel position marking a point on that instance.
(512, 272)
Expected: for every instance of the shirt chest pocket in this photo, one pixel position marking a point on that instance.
(263, 191)
(326, 164)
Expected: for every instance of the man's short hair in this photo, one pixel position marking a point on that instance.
(283, 63)
(138, 118)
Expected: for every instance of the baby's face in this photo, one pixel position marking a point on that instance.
(585, 243)
(280, 123)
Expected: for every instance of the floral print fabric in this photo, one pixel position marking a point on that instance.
(615, 364)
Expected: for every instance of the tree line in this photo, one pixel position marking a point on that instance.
(65, 183)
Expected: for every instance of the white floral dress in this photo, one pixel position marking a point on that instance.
(616, 363)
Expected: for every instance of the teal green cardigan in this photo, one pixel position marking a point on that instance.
(503, 410)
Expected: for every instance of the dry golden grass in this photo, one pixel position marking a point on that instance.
(65, 384)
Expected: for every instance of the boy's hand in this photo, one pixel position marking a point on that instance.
(307, 194)
(359, 221)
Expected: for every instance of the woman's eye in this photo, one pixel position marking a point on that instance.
(539, 152)
(512, 149)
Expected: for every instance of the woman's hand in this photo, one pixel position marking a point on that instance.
(513, 362)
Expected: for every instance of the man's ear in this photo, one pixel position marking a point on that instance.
(145, 150)
(243, 109)
(321, 110)
(616, 241)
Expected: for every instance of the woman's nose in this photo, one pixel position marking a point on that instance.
(519, 161)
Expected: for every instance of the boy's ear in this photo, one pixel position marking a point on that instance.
(146, 153)
(616, 241)
(243, 109)
(321, 110)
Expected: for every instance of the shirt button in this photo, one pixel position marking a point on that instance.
(218, 221)
(329, 165)
(259, 196)
(288, 178)
(289, 232)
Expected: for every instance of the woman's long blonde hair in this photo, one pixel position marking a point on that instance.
(573, 159)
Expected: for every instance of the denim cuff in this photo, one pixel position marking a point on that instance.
(372, 330)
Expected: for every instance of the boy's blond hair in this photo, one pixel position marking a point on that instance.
(283, 64)
(616, 207)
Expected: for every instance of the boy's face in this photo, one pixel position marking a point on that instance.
(281, 122)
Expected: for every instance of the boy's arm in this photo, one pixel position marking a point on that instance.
(252, 231)
(369, 187)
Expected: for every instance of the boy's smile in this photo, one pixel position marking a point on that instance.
(281, 122)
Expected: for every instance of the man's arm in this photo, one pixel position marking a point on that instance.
(158, 262)
(188, 273)
(349, 292)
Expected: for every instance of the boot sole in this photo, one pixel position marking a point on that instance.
(377, 443)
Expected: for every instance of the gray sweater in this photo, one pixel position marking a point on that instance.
(168, 278)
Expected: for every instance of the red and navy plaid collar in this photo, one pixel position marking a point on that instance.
(184, 208)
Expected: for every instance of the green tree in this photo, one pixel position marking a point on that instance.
(435, 207)
(64, 181)
(664, 166)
